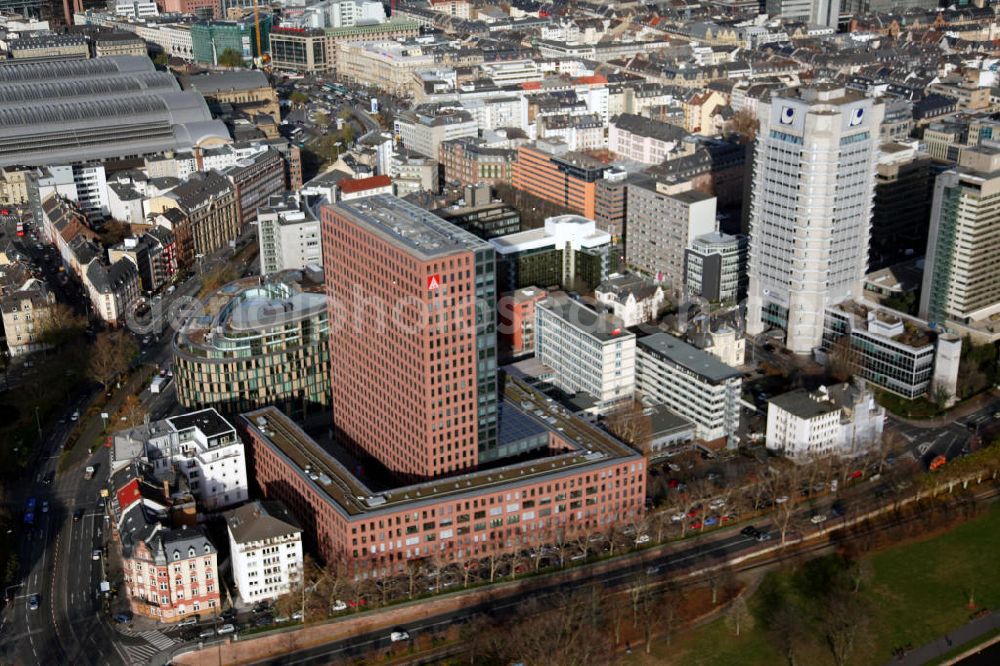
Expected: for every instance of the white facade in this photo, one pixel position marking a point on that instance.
(691, 383)
(266, 553)
(135, 8)
(201, 446)
(289, 237)
(587, 352)
(634, 303)
(841, 420)
(811, 207)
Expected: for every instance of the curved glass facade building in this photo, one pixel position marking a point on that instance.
(257, 343)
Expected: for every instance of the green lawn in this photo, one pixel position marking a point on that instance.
(917, 591)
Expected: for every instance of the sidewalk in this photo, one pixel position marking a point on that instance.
(945, 644)
(972, 405)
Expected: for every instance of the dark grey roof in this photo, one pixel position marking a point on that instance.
(808, 405)
(199, 188)
(226, 81)
(207, 421)
(257, 521)
(600, 325)
(109, 279)
(687, 356)
(119, 85)
(651, 128)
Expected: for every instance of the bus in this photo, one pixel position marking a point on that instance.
(20, 228)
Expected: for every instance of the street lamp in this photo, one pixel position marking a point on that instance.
(38, 423)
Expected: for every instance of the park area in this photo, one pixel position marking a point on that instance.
(838, 611)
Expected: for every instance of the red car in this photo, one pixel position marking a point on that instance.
(856, 474)
(673, 483)
(695, 525)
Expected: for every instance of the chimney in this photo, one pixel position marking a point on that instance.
(166, 490)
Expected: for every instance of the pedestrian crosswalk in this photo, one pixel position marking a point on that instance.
(153, 643)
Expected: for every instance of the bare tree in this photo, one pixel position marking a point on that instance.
(842, 359)
(59, 325)
(111, 355)
(132, 413)
(739, 617)
(630, 423)
(744, 124)
(844, 620)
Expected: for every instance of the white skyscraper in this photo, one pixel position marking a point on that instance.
(811, 208)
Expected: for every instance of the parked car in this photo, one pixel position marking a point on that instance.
(749, 530)
(762, 536)
(77, 515)
(338, 606)
(641, 539)
(781, 500)
(399, 635)
(711, 521)
(818, 518)
(45, 506)
(225, 629)
(125, 618)
(187, 622)
(96, 554)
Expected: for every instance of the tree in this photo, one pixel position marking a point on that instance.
(630, 423)
(133, 412)
(161, 60)
(298, 98)
(739, 618)
(844, 620)
(744, 124)
(231, 58)
(940, 396)
(60, 325)
(842, 359)
(322, 119)
(111, 355)
(114, 232)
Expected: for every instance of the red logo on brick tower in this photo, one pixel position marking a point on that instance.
(433, 282)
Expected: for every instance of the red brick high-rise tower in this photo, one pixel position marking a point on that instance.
(412, 336)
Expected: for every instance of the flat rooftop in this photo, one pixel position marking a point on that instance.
(207, 421)
(530, 412)
(600, 325)
(409, 227)
(688, 356)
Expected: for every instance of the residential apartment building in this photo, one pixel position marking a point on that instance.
(210, 204)
(288, 234)
(256, 179)
(265, 548)
(810, 209)
(691, 383)
(647, 141)
(113, 289)
(661, 224)
(424, 133)
(716, 267)
(840, 420)
(258, 342)
(26, 315)
(633, 299)
(198, 451)
(170, 574)
(961, 281)
(588, 352)
(467, 161)
(154, 256)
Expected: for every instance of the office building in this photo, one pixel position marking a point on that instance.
(588, 483)
(289, 234)
(692, 384)
(484, 220)
(660, 225)
(256, 179)
(424, 133)
(840, 420)
(210, 39)
(901, 216)
(716, 267)
(211, 209)
(810, 209)
(265, 549)
(101, 108)
(961, 280)
(817, 12)
(567, 179)
(567, 251)
(516, 327)
(900, 355)
(444, 419)
(589, 352)
(257, 342)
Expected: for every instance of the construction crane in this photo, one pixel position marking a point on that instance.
(264, 58)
